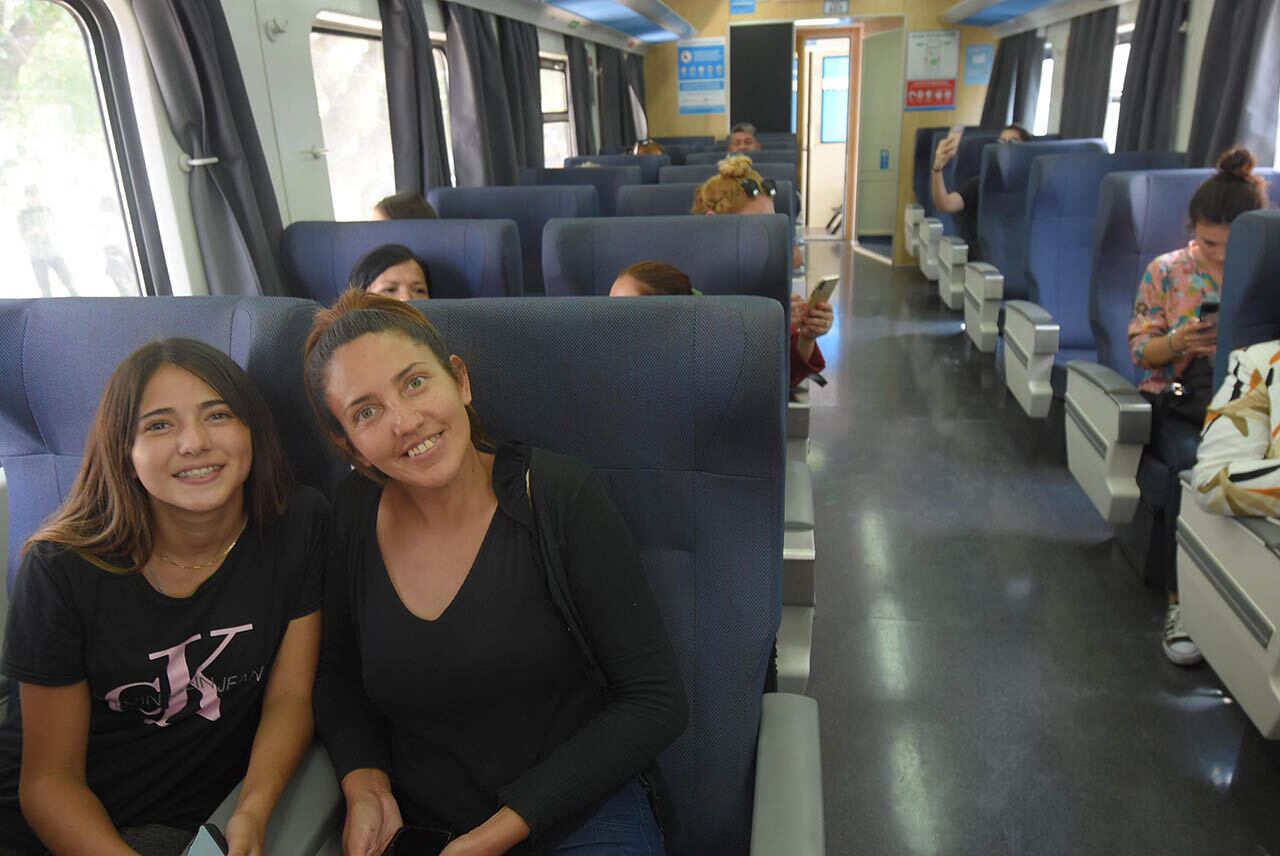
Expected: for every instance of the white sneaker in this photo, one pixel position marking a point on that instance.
(1178, 644)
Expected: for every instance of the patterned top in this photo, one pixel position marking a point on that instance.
(1238, 468)
(1171, 292)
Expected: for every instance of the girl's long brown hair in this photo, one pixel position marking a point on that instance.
(106, 517)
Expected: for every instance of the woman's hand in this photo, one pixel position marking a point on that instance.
(245, 834)
(373, 815)
(946, 151)
(817, 320)
(494, 837)
(1196, 338)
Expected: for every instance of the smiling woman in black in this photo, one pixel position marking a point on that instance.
(493, 663)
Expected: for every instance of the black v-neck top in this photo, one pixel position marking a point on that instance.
(489, 704)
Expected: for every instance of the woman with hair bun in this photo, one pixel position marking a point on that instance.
(739, 189)
(1173, 344)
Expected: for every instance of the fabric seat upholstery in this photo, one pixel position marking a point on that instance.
(466, 258)
(607, 180)
(529, 207)
(649, 164)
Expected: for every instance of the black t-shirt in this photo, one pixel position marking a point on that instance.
(176, 685)
(967, 219)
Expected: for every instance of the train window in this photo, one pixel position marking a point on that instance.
(56, 102)
(557, 140)
(834, 119)
(442, 77)
(351, 88)
(1119, 65)
(1040, 125)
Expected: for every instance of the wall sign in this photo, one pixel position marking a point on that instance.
(835, 7)
(742, 7)
(933, 60)
(977, 64)
(700, 75)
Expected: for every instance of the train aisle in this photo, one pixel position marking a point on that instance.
(988, 665)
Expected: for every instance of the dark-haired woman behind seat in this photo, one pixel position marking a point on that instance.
(392, 270)
(1174, 346)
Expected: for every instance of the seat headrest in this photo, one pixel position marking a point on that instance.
(766, 156)
(722, 255)
(701, 172)
(1250, 286)
(668, 200)
(466, 258)
(48, 402)
(605, 179)
(649, 164)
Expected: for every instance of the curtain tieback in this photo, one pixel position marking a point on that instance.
(186, 162)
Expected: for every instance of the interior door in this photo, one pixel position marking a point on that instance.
(827, 132)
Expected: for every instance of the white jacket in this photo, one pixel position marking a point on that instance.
(1238, 466)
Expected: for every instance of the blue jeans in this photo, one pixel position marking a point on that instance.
(624, 826)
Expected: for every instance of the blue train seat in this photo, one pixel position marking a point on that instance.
(467, 258)
(676, 446)
(666, 200)
(649, 164)
(1051, 327)
(605, 179)
(684, 141)
(1002, 208)
(1227, 565)
(766, 156)
(47, 403)
(701, 172)
(922, 165)
(529, 207)
(752, 254)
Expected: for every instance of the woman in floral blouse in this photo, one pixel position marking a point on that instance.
(1166, 335)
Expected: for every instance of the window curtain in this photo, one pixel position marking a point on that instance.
(633, 65)
(484, 145)
(1015, 81)
(617, 116)
(581, 96)
(1087, 78)
(1236, 98)
(522, 71)
(233, 202)
(1153, 78)
(418, 144)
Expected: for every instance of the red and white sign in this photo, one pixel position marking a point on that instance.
(931, 94)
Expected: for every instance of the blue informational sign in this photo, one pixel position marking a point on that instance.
(742, 7)
(700, 75)
(977, 64)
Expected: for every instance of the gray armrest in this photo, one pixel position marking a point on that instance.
(787, 817)
(798, 418)
(309, 810)
(983, 292)
(1031, 342)
(912, 214)
(1107, 424)
(953, 255)
(797, 505)
(928, 236)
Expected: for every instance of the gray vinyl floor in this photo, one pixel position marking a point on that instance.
(987, 665)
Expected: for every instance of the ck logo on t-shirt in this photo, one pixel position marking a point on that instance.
(181, 681)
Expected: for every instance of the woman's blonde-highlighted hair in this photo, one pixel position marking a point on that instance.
(359, 313)
(106, 518)
(723, 193)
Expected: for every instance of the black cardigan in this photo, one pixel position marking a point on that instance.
(596, 580)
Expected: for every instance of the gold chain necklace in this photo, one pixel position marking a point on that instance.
(215, 560)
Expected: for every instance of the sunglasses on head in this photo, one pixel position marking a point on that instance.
(755, 188)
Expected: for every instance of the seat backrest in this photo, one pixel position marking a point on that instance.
(922, 166)
(677, 153)
(766, 156)
(721, 255)
(50, 390)
(702, 171)
(1062, 201)
(684, 141)
(968, 160)
(1250, 286)
(1002, 204)
(667, 200)
(466, 258)
(605, 179)
(680, 410)
(529, 207)
(649, 164)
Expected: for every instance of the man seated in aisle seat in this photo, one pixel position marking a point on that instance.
(962, 203)
(743, 139)
(392, 270)
(1237, 468)
(649, 278)
(1173, 345)
(408, 205)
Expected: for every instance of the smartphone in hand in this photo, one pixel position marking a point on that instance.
(1209, 310)
(956, 132)
(418, 841)
(822, 291)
